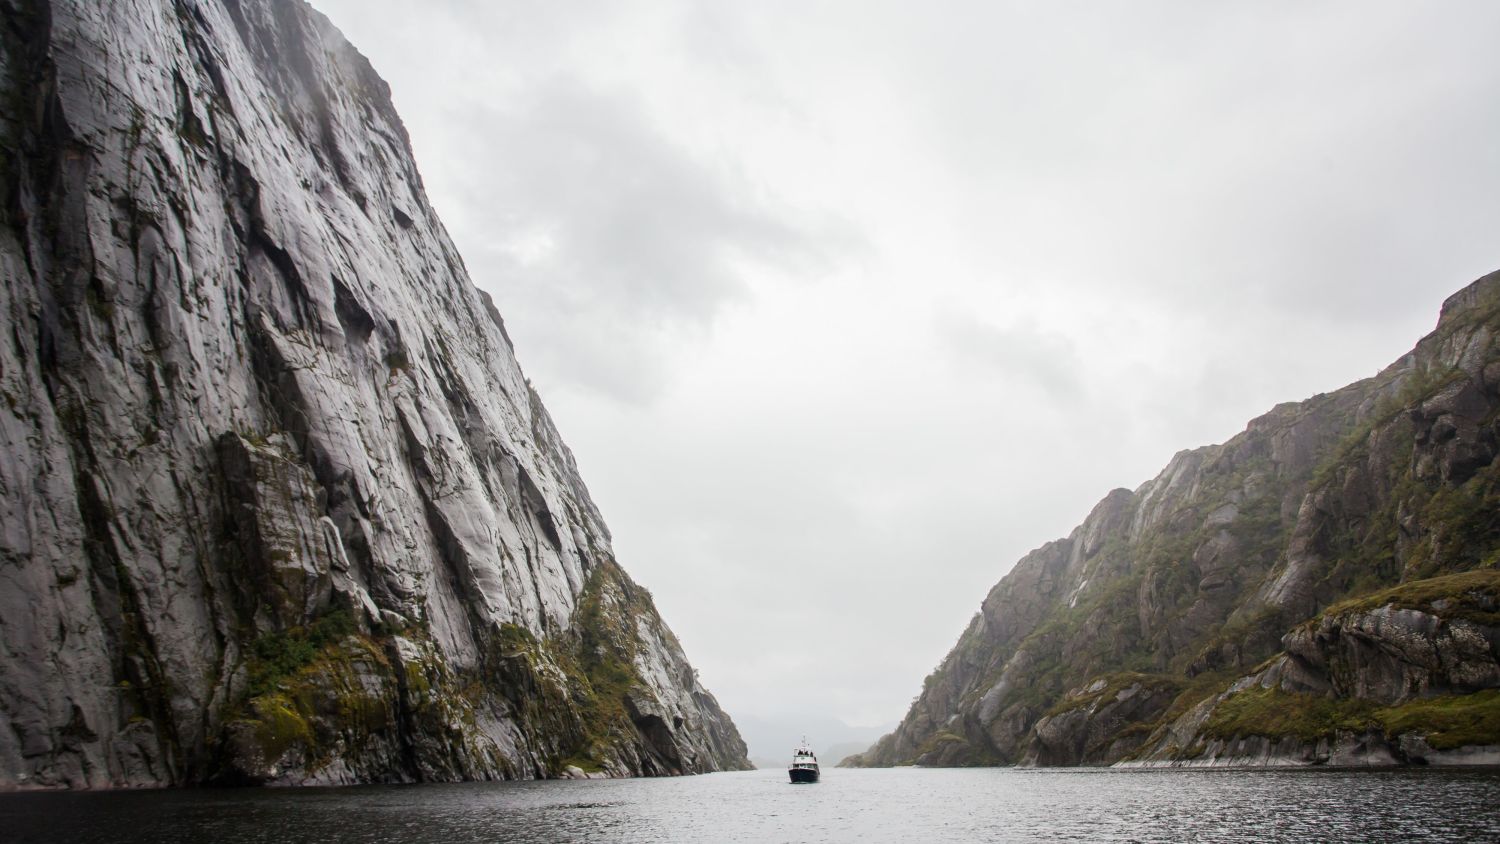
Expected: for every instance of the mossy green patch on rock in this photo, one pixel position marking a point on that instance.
(1446, 722)
(315, 692)
(278, 725)
(570, 692)
(948, 745)
(598, 654)
(1200, 688)
(276, 656)
(1106, 688)
(1274, 713)
(516, 640)
(1466, 534)
(1471, 595)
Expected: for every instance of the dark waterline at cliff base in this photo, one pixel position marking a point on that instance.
(865, 805)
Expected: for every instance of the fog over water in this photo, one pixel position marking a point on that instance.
(844, 306)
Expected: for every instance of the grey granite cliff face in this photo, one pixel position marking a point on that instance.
(1323, 587)
(276, 501)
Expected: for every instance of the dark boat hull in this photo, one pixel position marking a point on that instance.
(803, 774)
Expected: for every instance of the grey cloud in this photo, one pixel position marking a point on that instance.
(610, 240)
(1281, 194)
(1023, 351)
(1210, 155)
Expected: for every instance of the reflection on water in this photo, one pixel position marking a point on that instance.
(869, 806)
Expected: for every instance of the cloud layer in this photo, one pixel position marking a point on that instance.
(846, 305)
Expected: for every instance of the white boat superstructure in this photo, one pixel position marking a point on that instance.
(804, 767)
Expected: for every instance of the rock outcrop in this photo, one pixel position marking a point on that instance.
(277, 504)
(1320, 588)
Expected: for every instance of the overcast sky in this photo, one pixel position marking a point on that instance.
(845, 306)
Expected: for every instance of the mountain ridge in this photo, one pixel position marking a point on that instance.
(1129, 640)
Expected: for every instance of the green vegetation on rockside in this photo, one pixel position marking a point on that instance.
(1383, 493)
(1471, 596)
(277, 656)
(308, 688)
(1446, 722)
(328, 686)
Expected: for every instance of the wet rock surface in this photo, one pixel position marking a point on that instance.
(277, 503)
(1336, 562)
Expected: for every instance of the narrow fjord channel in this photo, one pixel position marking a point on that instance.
(885, 805)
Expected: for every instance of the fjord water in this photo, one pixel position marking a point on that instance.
(902, 804)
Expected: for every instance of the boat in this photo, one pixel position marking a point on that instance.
(804, 767)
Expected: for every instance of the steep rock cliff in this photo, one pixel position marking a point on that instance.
(1319, 588)
(276, 501)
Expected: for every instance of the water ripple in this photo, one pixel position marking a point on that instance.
(901, 805)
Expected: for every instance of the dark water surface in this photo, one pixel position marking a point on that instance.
(905, 805)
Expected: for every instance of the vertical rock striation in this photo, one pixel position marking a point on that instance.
(276, 502)
(1323, 587)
